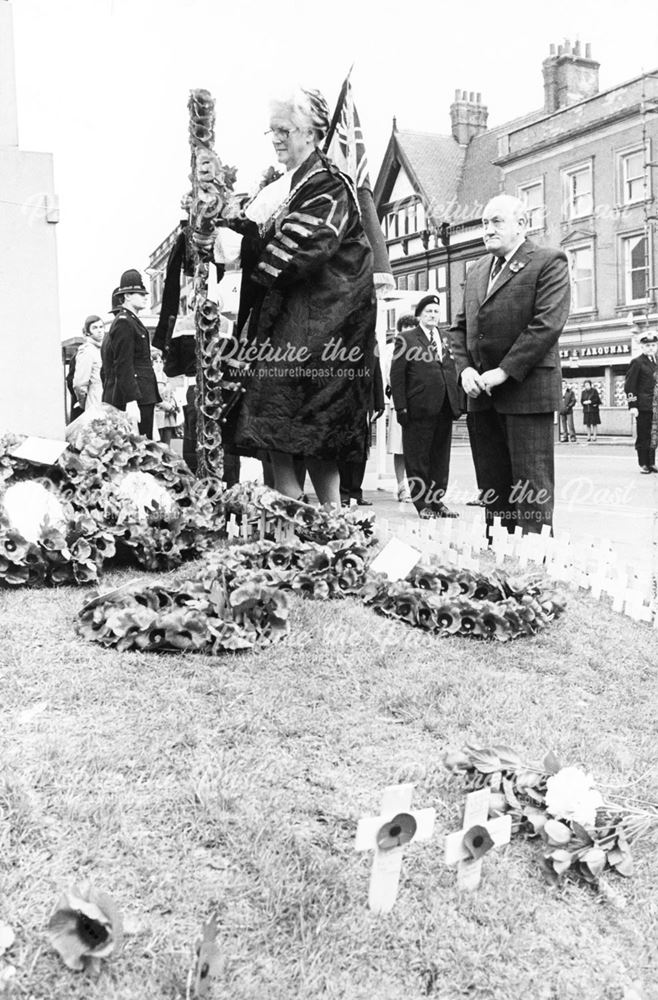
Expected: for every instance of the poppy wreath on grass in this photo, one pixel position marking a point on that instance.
(110, 492)
(238, 600)
(453, 601)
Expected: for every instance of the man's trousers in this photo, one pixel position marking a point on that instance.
(426, 447)
(516, 471)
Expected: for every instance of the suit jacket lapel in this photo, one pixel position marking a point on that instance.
(483, 277)
(522, 256)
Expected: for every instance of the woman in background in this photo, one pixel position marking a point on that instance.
(394, 435)
(591, 402)
(87, 384)
(168, 413)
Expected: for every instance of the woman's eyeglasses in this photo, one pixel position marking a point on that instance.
(281, 133)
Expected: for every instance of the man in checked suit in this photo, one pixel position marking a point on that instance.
(426, 399)
(505, 342)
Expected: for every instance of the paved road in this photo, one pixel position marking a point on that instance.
(599, 492)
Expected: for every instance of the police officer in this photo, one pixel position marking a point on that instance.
(129, 382)
(639, 387)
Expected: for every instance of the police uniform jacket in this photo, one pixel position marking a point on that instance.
(639, 382)
(127, 369)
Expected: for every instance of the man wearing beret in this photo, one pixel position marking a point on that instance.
(129, 382)
(505, 341)
(426, 399)
(639, 387)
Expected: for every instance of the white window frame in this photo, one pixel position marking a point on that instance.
(627, 274)
(521, 191)
(435, 273)
(623, 156)
(571, 251)
(391, 223)
(569, 211)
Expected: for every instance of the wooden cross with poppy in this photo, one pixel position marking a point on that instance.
(386, 835)
(478, 835)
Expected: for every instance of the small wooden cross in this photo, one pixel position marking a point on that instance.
(478, 536)
(386, 835)
(618, 592)
(467, 846)
(467, 560)
(500, 540)
(634, 605)
(561, 566)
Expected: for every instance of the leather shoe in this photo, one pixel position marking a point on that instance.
(442, 511)
(645, 470)
(364, 503)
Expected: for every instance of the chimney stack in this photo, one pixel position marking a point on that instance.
(468, 116)
(569, 76)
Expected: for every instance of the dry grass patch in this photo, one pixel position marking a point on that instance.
(184, 784)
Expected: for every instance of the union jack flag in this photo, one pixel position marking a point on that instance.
(345, 146)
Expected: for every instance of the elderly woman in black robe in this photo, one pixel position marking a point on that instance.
(307, 310)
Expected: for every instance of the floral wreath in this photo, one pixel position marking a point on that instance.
(238, 599)
(112, 491)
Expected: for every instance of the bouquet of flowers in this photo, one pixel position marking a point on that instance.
(582, 834)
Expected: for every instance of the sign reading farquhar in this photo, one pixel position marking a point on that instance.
(594, 351)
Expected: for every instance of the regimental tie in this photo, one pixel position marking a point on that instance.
(498, 265)
(436, 346)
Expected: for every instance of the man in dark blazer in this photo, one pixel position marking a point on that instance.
(639, 388)
(129, 382)
(505, 342)
(426, 399)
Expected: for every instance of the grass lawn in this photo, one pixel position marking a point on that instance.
(185, 784)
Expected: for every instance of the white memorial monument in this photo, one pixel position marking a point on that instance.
(31, 375)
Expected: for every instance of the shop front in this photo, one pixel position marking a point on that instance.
(604, 364)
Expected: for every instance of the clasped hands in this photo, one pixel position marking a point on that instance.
(475, 383)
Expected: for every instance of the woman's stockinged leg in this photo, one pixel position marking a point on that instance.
(400, 471)
(326, 480)
(285, 479)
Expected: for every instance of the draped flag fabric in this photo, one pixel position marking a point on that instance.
(345, 146)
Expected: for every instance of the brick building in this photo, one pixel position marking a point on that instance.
(584, 164)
